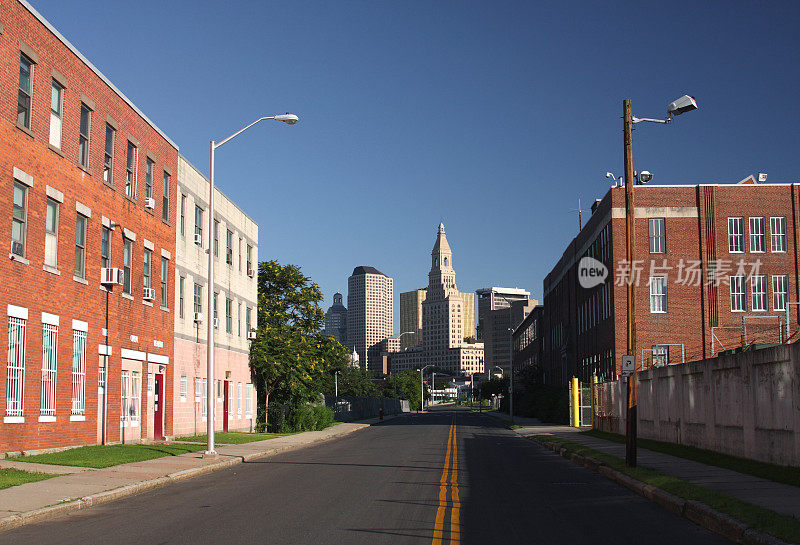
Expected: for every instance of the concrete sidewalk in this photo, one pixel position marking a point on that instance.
(778, 497)
(23, 504)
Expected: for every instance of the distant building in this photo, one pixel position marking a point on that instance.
(499, 310)
(445, 322)
(336, 320)
(527, 341)
(370, 307)
(411, 316)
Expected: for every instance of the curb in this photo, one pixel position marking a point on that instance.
(697, 512)
(38, 515)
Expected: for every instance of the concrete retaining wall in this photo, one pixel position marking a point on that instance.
(745, 404)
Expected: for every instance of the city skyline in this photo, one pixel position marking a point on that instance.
(527, 108)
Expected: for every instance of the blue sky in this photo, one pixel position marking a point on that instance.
(492, 116)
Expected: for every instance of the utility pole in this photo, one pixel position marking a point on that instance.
(511, 365)
(630, 419)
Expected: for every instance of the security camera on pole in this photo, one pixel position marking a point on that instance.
(684, 104)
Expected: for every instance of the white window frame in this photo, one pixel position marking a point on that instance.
(164, 273)
(127, 265)
(248, 406)
(131, 161)
(184, 387)
(25, 93)
(20, 218)
(738, 289)
(108, 154)
(51, 234)
(758, 290)
(49, 368)
(736, 235)
(56, 114)
(758, 235)
(147, 268)
(657, 234)
(777, 234)
(165, 197)
(239, 399)
(149, 168)
(78, 373)
(84, 138)
(658, 294)
(80, 245)
(780, 291)
(15, 369)
(136, 398)
(125, 386)
(204, 402)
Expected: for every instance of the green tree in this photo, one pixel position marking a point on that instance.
(408, 387)
(289, 357)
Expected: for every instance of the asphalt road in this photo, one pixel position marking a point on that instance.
(449, 476)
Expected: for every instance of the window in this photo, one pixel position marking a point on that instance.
(146, 268)
(657, 236)
(249, 260)
(130, 171)
(240, 254)
(216, 238)
(198, 389)
(183, 388)
(239, 399)
(51, 234)
(183, 215)
(165, 198)
(738, 298)
(658, 294)
(248, 402)
(105, 247)
(780, 291)
(757, 235)
(230, 397)
(181, 283)
(204, 404)
(148, 178)
(247, 320)
(15, 371)
(80, 246)
(133, 391)
(78, 372)
(216, 322)
(56, 106)
(198, 298)
(229, 247)
(239, 318)
(777, 233)
(758, 288)
(198, 225)
(126, 265)
(83, 135)
(660, 355)
(49, 352)
(736, 235)
(19, 219)
(108, 160)
(228, 315)
(125, 388)
(25, 91)
(164, 270)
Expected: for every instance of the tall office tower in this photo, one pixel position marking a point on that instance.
(411, 316)
(370, 306)
(336, 320)
(498, 310)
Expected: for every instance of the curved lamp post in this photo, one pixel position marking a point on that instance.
(289, 119)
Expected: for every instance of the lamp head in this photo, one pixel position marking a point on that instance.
(289, 119)
(645, 176)
(682, 105)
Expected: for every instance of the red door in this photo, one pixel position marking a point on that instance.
(225, 405)
(158, 409)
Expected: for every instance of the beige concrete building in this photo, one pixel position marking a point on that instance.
(234, 244)
(447, 319)
(499, 311)
(411, 316)
(370, 311)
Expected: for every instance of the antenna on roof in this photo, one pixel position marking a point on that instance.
(580, 216)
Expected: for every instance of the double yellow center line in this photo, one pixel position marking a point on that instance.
(451, 467)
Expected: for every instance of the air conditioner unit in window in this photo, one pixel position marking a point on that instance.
(109, 276)
(198, 239)
(229, 257)
(250, 272)
(251, 334)
(16, 248)
(198, 317)
(150, 203)
(148, 294)
(216, 323)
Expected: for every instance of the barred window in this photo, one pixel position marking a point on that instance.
(736, 235)
(184, 387)
(657, 235)
(738, 297)
(780, 291)
(15, 370)
(658, 294)
(758, 287)
(660, 355)
(78, 372)
(49, 354)
(757, 235)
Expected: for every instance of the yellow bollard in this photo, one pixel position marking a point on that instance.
(576, 403)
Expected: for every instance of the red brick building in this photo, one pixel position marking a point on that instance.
(715, 269)
(88, 182)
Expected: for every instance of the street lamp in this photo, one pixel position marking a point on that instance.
(682, 105)
(289, 119)
(422, 388)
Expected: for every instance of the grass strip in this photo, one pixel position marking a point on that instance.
(779, 474)
(232, 438)
(781, 526)
(99, 456)
(13, 477)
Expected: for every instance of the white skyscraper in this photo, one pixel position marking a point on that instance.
(370, 307)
